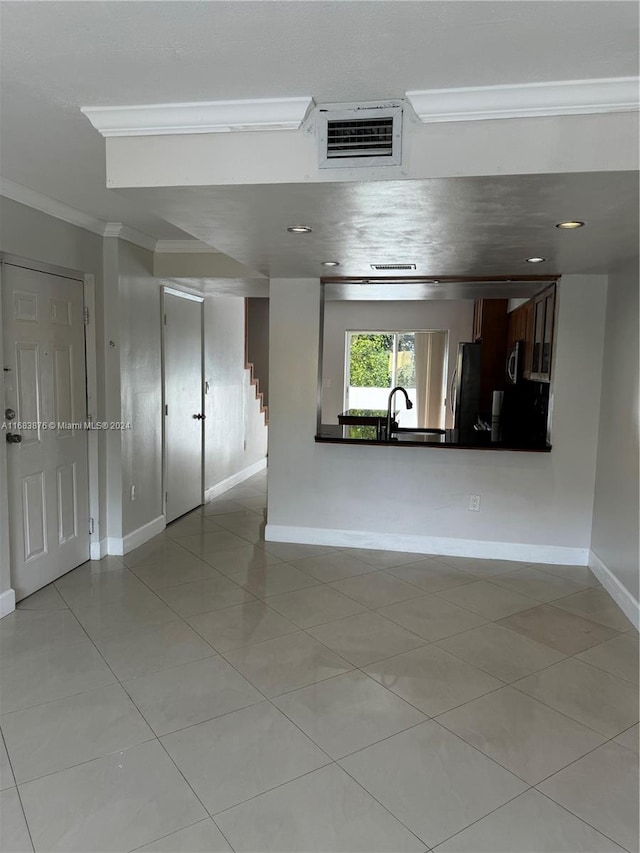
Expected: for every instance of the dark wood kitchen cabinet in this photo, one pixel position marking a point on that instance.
(520, 323)
(541, 335)
(490, 321)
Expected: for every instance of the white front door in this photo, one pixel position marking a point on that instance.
(184, 417)
(45, 386)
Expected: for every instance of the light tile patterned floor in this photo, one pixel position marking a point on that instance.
(211, 691)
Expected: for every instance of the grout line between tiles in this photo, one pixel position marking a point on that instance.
(19, 795)
(497, 808)
(270, 699)
(573, 814)
(169, 834)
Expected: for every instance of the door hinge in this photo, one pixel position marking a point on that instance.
(166, 408)
(165, 319)
(91, 526)
(85, 315)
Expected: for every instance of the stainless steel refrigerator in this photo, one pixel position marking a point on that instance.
(465, 387)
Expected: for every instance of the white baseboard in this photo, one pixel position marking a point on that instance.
(138, 537)
(99, 549)
(114, 547)
(520, 552)
(7, 602)
(620, 594)
(235, 480)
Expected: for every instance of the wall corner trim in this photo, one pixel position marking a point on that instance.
(7, 602)
(528, 100)
(445, 546)
(620, 594)
(235, 479)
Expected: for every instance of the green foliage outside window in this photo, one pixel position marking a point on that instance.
(370, 361)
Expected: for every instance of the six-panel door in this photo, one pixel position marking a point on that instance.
(44, 372)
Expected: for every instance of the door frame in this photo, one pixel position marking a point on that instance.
(165, 290)
(87, 280)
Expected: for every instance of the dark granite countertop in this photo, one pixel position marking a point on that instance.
(369, 417)
(450, 439)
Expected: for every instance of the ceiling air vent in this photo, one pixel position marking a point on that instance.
(365, 135)
(392, 266)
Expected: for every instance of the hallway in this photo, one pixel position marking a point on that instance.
(211, 691)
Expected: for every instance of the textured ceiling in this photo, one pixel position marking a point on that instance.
(479, 226)
(58, 56)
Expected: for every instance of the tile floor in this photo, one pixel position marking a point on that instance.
(211, 691)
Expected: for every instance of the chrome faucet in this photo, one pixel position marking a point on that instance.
(389, 415)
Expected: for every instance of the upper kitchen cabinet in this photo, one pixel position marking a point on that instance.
(541, 335)
(490, 329)
(519, 323)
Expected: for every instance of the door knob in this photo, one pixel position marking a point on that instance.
(199, 417)
(13, 438)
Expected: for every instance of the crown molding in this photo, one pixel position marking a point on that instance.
(170, 247)
(112, 229)
(51, 207)
(131, 235)
(31, 198)
(199, 117)
(561, 97)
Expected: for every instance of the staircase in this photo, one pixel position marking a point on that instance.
(256, 349)
(264, 410)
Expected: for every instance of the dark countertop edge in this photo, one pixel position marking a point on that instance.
(323, 439)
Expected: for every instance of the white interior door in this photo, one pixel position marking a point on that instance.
(184, 416)
(45, 386)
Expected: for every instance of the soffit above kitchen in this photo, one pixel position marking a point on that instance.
(472, 226)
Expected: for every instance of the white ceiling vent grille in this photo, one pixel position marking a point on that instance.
(392, 266)
(365, 135)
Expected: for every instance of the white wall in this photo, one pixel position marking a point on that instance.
(454, 315)
(615, 511)
(535, 506)
(140, 386)
(235, 431)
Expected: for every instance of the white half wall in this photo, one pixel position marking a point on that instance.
(615, 537)
(528, 499)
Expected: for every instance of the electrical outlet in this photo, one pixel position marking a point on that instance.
(474, 503)
(133, 493)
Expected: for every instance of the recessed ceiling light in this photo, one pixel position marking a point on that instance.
(330, 263)
(299, 229)
(535, 260)
(570, 224)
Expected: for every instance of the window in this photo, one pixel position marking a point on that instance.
(378, 361)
